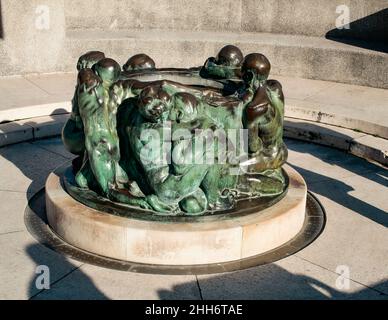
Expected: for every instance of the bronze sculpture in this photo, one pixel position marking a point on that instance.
(194, 143)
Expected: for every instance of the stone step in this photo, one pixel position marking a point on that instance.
(31, 129)
(191, 31)
(206, 15)
(297, 17)
(290, 55)
(359, 144)
(354, 107)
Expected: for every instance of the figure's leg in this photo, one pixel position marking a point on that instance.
(121, 176)
(255, 144)
(101, 163)
(218, 180)
(127, 197)
(259, 184)
(194, 204)
(84, 177)
(162, 207)
(170, 188)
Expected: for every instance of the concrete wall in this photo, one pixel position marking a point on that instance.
(311, 17)
(301, 17)
(202, 15)
(24, 48)
(186, 32)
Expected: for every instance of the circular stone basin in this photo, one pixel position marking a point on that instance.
(207, 240)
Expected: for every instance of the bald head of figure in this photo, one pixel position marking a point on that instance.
(230, 56)
(139, 62)
(153, 102)
(108, 70)
(88, 59)
(87, 79)
(255, 65)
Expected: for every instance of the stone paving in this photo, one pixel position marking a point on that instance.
(353, 244)
(36, 89)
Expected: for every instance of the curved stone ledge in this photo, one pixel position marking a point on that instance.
(357, 143)
(176, 243)
(31, 129)
(321, 113)
(360, 144)
(34, 111)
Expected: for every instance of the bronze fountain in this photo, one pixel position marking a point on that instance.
(176, 170)
(223, 124)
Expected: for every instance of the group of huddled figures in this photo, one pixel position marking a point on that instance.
(147, 143)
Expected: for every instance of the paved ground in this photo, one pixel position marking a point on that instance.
(354, 242)
(36, 89)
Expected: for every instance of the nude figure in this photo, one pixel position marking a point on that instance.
(101, 141)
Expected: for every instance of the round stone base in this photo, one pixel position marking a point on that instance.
(202, 242)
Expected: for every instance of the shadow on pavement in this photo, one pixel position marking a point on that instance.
(32, 167)
(273, 282)
(341, 192)
(264, 282)
(80, 286)
(37, 169)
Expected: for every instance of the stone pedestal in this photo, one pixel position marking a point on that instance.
(204, 241)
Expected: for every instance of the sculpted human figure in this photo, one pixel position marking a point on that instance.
(167, 189)
(98, 114)
(263, 114)
(202, 146)
(189, 146)
(73, 132)
(185, 111)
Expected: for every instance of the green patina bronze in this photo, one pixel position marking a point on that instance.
(177, 141)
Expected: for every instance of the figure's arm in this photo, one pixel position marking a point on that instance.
(271, 128)
(254, 115)
(220, 71)
(125, 89)
(172, 87)
(90, 90)
(89, 86)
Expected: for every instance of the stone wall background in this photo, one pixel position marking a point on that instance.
(185, 32)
